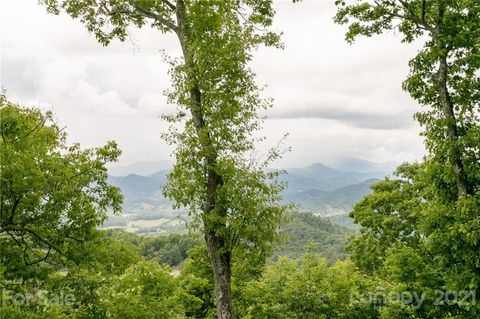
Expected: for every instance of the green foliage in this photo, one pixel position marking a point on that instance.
(124, 236)
(306, 233)
(396, 205)
(444, 76)
(307, 288)
(412, 236)
(53, 196)
(112, 281)
(196, 280)
(171, 249)
(233, 199)
(216, 141)
(168, 249)
(144, 290)
(421, 229)
(67, 292)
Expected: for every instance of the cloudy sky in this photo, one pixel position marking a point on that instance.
(334, 99)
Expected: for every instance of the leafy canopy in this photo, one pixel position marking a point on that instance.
(53, 196)
(420, 229)
(444, 75)
(217, 38)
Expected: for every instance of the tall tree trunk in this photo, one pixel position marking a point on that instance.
(218, 250)
(220, 258)
(455, 155)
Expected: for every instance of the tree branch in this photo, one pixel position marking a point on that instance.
(35, 128)
(35, 261)
(156, 17)
(146, 14)
(424, 9)
(413, 17)
(20, 230)
(169, 4)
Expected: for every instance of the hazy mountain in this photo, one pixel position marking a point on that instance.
(323, 178)
(133, 184)
(317, 189)
(138, 189)
(350, 164)
(145, 168)
(330, 203)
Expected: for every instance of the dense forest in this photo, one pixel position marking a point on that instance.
(248, 253)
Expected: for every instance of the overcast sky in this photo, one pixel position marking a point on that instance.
(334, 99)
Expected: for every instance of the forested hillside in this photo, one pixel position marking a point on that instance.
(302, 234)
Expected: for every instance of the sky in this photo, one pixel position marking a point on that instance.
(335, 100)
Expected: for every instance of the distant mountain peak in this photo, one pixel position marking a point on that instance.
(352, 164)
(317, 188)
(143, 168)
(318, 166)
(313, 167)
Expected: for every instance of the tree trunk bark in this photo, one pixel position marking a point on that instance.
(221, 265)
(218, 250)
(455, 155)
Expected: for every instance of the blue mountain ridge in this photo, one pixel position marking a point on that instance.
(317, 189)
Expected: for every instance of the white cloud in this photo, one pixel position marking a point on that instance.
(335, 100)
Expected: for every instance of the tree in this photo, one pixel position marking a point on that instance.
(232, 198)
(421, 229)
(443, 75)
(53, 196)
(412, 237)
(305, 232)
(144, 290)
(171, 249)
(103, 262)
(196, 281)
(308, 288)
(389, 215)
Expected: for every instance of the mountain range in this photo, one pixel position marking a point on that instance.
(143, 168)
(318, 189)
